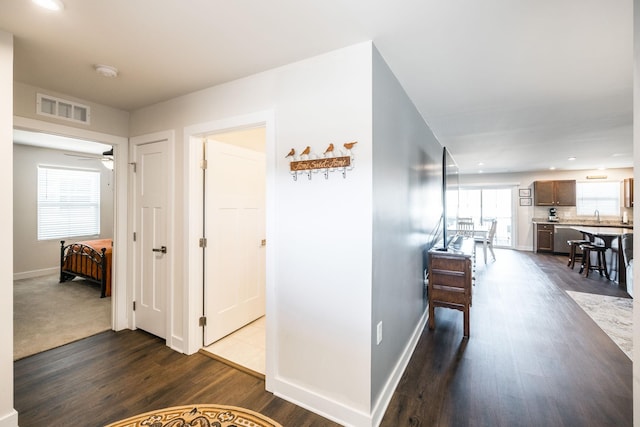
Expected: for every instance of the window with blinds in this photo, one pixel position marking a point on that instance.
(68, 202)
(601, 196)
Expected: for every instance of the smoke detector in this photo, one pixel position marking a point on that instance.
(106, 71)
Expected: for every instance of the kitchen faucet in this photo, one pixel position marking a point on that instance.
(597, 215)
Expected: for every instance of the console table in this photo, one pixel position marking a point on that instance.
(450, 280)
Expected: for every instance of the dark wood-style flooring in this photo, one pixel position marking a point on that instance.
(534, 359)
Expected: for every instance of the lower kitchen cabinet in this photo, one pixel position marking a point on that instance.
(544, 237)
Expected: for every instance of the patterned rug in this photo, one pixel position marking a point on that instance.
(613, 315)
(198, 415)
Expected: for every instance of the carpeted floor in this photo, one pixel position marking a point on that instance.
(201, 415)
(613, 315)
(48, 314)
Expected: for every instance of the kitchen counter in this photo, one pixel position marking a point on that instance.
(582, 222)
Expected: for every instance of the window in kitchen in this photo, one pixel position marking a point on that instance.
(602, 196)
(68, 202)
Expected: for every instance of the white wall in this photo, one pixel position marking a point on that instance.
(407, 208)
(25, 244)
(8, 416)
(523, 226)
(104, 119)
(320, 237)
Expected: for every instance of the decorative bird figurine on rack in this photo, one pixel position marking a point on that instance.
(349, 145)
(291, 153)
(329, 149)
(306, 151)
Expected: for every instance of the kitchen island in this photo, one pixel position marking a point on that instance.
(610, 238)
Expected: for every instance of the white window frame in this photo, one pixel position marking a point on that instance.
(65, 207)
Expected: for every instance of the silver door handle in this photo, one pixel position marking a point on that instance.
(162, 249)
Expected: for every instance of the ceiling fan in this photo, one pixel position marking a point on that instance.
(106, 158)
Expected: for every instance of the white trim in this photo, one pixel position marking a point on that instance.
(382, 403)
(10, 419)
(193, 205)
(341, 413)
(119, 314)
(330, 409)
(35, 273)
(173, 341)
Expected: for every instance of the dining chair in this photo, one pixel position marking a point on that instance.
(487, 239)
(465, 227)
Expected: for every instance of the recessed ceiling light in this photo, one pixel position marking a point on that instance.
(571, 158)
(106, 70)
(50, 4)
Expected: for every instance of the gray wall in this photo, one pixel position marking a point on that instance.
(30, 255)
(407, 207)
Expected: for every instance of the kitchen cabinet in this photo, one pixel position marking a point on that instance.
(555, 193)
(628, 192)
(544, 237)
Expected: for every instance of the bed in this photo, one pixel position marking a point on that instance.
(90, 260)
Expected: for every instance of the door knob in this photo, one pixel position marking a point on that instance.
(162, 249)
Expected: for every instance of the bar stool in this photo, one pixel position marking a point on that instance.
(586, 259)
(573, 251)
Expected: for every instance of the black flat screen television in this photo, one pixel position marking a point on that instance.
(450, 200)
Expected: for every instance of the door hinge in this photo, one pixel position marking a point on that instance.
(202, 321)
(134, 166)
(134, 236)
(134, 306)
(202, 242)
(203, 164)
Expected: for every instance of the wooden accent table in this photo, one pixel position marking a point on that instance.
(450, 281)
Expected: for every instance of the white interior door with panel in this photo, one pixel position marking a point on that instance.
(234, 270)
(151, 196)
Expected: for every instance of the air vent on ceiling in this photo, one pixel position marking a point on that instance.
(62, 109)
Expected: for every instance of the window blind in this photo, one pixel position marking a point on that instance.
(601, 196)
(68, 202)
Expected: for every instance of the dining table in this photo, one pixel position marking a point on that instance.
(611, 238)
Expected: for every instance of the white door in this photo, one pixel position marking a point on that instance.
(234, 289)
(150, 246)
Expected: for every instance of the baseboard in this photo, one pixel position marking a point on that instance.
(330, 409)
(10, 419)
(35, 273)
(385, 396)
(338, 412)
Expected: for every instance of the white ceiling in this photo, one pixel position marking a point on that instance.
(516, 85)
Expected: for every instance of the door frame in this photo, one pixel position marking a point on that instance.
(193, 217)
(173, 338)
(120, 318)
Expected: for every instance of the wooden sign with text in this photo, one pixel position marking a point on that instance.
(326, 163)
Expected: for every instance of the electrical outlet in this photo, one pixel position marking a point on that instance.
(379, 333)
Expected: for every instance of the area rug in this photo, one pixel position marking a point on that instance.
(198, 415)
(613, 315)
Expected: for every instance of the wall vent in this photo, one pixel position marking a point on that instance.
(62, 109)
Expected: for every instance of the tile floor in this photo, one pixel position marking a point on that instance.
(245, 347)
